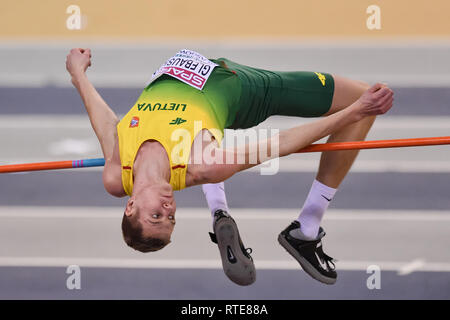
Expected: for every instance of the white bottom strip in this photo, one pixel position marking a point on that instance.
(212, 264)
(257, 214)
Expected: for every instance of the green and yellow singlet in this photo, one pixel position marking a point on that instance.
(173, 113)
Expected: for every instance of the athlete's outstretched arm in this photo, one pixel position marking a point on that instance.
(376, 100)
(103, 119)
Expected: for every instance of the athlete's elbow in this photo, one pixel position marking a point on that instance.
(214, 173)
(113, 190)
(113, 186)
(199, 174)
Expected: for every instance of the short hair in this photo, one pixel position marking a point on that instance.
(134, 237)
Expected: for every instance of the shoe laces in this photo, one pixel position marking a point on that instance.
(246, 251)
(330, 262)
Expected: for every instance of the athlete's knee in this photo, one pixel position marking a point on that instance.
(358, 88)
(366, 124)
(366, 85)
(370, 120)
(347, 91)
(363, 86)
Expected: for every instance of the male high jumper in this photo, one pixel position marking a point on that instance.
(150, 152)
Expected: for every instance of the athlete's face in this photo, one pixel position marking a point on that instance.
(156, 212)
(158, 216)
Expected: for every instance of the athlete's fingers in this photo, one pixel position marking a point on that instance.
(388, 105)
(382, 93)
(380, 106)
(384, 99)
(75, 50)
(386, 108)
(377, 86)
(87, 52)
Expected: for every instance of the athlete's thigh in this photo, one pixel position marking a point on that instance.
(346, 91)
(266, 93)
(305, 94)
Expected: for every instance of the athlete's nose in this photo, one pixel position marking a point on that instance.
(168, 208)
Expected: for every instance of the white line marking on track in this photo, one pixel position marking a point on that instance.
(37, 121)
(203, 264)
(136, 79)
(403, 166)
(78, 147)
(294, 163)
(43, 212)
(411, 267)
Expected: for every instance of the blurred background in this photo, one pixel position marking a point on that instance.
(392, 211)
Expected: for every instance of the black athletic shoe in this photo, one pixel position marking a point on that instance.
(309, 253)
(236, 260)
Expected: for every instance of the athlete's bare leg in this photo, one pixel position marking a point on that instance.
(303, 238)
(334, 165)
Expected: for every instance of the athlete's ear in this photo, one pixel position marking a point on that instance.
(130, 203)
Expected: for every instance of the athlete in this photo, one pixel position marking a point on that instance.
(168, 138)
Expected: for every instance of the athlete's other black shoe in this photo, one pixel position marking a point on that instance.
(309, 253)
(236, 260)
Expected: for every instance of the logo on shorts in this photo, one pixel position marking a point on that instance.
(134, 122)
(321, 78)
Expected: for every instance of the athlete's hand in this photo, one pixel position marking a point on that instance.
(376, 100)
(78, 60)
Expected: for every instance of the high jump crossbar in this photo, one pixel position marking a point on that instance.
(319, 147)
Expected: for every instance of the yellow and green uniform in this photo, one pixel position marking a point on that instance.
(173, 113)
(235, 96)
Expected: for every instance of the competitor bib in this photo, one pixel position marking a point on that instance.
(188, 66)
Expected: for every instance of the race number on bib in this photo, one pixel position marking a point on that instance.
(187, 66)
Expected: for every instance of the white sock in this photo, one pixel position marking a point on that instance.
(314, 208)
(215, 196)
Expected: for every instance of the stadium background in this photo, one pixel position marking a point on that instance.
(393, 210)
